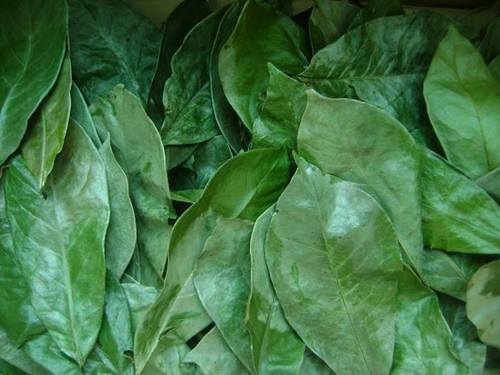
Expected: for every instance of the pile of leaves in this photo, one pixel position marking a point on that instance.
(249, 190)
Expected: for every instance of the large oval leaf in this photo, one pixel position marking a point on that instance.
(261, 35)
(31, 50)
(59, 241)
(333, 135)
(463, 102)
(334, 261)
(382, 62)
(111, 44)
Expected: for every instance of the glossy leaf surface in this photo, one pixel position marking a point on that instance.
(332, 136)
(463, 102)
(31, 50)
(111, 44)
(316, 251)
(59, 241)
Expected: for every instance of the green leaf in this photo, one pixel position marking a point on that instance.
(45, 352)
(16, 357)
(250, 192)
(122, 233)
(465, 340)
(278, 122)
(483, 302)
(115, 338)
(222, 281)
(229, 124)
(195, 172)
(187, 14)
(59, 241)
(449, 273)
(423, 338)
(138, 149)
(168, 358)
(261, 35)
(312, 365)
(329, 20)
(333, 136)
(140, 269)
(139, 297)
(463, 102)
(111, 44)
(490, 45)
(31, 50)
(339, 301)
(457, 215)
(491, 183)
(275, 347)
(189, 115)
(214, 357)
(382, 62)
(494, 68)
(45, 138)
(376, 9)
(17, 316)
(80, 114)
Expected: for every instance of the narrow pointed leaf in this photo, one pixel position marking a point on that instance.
(59, 241)
(275, 347)
(138, 149)
(45, 139)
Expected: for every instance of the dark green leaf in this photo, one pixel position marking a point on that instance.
(463, 102)
(229, 124)
(329, 20)
(80, 113)
(111, 44)
(490, 45)
(261, 35)
(316, 251)
(31, 50)
(187, 14)
(189, 114)
(465, 340)
(140, 297)
(491, 183)
(59, 241)
(376, 9)
(494, 68)
(195, 172)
